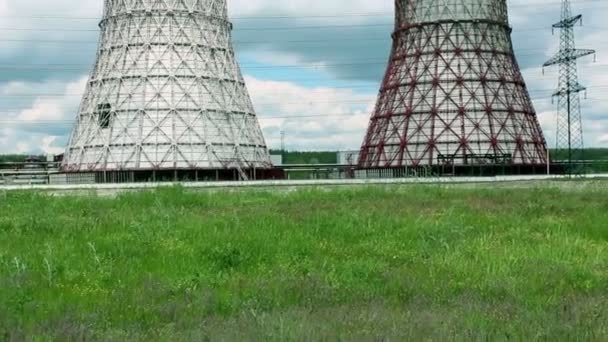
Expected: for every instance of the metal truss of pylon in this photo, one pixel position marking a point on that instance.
(453, 92)
(166, 93)
(569, 133)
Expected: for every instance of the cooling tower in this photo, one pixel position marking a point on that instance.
(166, 93)
(453, 93)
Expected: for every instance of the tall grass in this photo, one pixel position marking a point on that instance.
(376, 263)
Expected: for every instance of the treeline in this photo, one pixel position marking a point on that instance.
(588, 154)
(16, 158)
(294, 157)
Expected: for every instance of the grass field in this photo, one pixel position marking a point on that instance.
(432, 263)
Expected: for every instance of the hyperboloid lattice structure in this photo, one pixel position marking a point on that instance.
(453, 93)
(166, 93)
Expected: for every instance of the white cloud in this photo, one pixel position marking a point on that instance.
(49, 145)
(54, 108)
(42, 126)
(323, 117)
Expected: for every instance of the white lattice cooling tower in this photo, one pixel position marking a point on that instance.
(166, 93)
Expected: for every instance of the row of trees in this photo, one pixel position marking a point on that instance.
(294, 157)
(17, 158)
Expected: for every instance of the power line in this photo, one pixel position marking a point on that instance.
(260, 117)
(341, 15)
(338, 102)
(274, 103)
(276, 28)
(310, 65)
(314, 90)
(303, 64)
(303, 41)
(349, 60)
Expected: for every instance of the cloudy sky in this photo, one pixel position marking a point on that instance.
(319, 60)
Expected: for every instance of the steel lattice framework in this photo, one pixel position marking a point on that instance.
(569, 135)
(453, 92)
(166, 93)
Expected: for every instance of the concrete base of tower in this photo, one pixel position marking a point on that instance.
(311, 172)
(160, 176)
(479, 170)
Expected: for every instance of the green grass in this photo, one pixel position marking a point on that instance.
(419, 263)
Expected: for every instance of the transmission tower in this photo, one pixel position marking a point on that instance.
(569, 135)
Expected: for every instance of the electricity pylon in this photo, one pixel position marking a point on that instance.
(569, 135)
